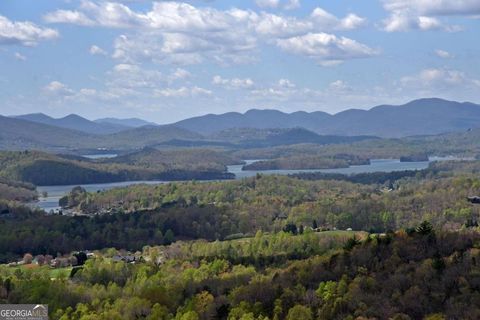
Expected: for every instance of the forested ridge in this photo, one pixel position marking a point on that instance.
(266, 247)
(414, 274)
(308, 162)
(42, 168)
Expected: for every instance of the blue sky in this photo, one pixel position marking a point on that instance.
(165, 61)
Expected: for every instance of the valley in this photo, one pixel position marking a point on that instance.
(313, 215)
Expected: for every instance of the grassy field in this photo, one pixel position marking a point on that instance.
(53, 273)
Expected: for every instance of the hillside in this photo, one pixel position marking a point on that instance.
(260, 119)
(418, 117)
(130, 122)
(257, 138)
(146, 136)
(75, 122)
(18, 134)
(42, 168)
(255, 129)
(193, 159)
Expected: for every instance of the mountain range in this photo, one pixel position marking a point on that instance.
(418, 117)
(130, 122)
(252, 128)
(75, 122)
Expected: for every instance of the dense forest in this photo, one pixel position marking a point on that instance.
(133, 216)
(414, 274)
(307, 162)
(265, 247)
(42, 168)
(393, 201)
(457, 144)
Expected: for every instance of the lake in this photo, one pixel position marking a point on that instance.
(54, 193)
(376, 165)
(379, 165)
(100, 156)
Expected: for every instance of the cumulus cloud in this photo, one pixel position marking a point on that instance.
(267, 24)
(439, 80)
(401, 21)
(425, 15)
(182, 92)
(292, 4)
(435, 7)
(181, 33)
(285, 83)
(287, 5)
(58, 88)
(132, 77)
(23, 33)
(179, 74)
(327, 20)
(443, 54)
(339, 85)
(326, 49)
(96, 50)
(234, 83)
(68, 16)
(267, 3)
(19, 56)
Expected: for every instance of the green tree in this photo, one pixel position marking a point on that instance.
(299, 312)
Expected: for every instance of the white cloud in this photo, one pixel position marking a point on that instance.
(179, 74)
(20, 56)
(287, 5)
(339, 85)
(267, 24)
(181, 33)
(184, 49)
(96, 50)
(438, 80)
(285, 83)
(88, 92)
(443, 54)
(326, 49)
(326, 20)
(267, 3)
(292, 4)
(425, 15)
(58, 88)
(182, 92)
(133, 77)
(234, 83)
(23, 33)
(67, 16)
(435, 7)
(401, 21)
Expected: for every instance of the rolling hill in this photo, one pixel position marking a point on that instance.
(147, 136)
(418, 117)
(75, 122)
(253, 129)
(257, 138)
(18, 134)
(42, 168)
(259, 119)
(21, 134)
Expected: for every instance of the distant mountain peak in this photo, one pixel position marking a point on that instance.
(417, 117)
(129, 122)
(74, 122)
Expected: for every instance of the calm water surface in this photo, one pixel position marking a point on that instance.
(54, 193)
(376, 165)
